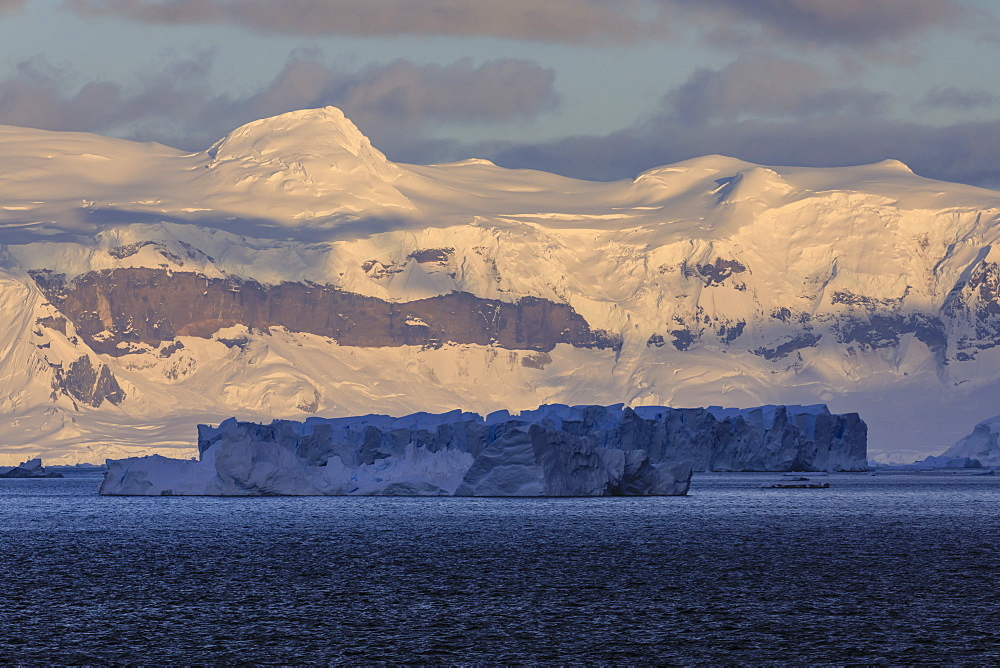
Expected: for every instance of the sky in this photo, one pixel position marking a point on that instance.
(597, 89)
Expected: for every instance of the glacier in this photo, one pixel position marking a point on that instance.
(555, 450)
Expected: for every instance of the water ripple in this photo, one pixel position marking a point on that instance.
(884, 570)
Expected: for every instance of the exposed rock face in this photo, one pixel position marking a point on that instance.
(783, 349)
(115, 308)
(956, 328)
(88, 384)
(883, 330)
(552, 451)
(975, 303)
(717, 272)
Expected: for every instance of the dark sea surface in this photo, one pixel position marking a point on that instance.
(885, 569)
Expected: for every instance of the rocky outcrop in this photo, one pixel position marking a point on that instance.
(116, 308)
(974, 306)
(89, 384)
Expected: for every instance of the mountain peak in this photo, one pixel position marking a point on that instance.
(302, 136)
(313, 163)
(898, 165)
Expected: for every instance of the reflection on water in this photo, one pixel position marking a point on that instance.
(890, 569)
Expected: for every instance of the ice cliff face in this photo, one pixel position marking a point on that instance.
(982, 444)
(551, 451)
(293, 270)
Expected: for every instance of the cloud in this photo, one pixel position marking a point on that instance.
(409, 95)
(963, 153)
(958, 98)
(765, 85)
(820, 22)
(177, 105)
(12, 5)
(40, 95)
(771, 111)
(551, 21)
(828, 22)
(759, 108)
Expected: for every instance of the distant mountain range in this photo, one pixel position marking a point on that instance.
(292, 270)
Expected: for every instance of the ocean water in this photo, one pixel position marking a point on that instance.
(890, 569)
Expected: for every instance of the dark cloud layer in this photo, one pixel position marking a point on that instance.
(773, 111)
(765, 85)
(178, 106)
(958, 98)
(761, 107)
(851, 22)
(963, 153)
(551, 20)
(39, 95)
(739, 110)
(825, 22)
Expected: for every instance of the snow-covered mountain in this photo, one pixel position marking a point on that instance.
(292, 270)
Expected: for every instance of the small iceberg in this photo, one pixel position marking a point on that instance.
(799, 482)
(30, 469)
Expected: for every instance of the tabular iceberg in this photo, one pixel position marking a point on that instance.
(555, 450)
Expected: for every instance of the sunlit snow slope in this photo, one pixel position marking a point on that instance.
(292, 270)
